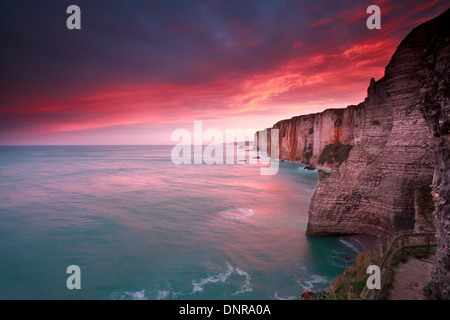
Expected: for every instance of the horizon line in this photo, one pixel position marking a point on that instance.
(109, 145)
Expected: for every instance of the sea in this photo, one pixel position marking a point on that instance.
(141, 227)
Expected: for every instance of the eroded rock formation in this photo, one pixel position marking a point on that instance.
(385, 151)
(433, 102)
(304, 138)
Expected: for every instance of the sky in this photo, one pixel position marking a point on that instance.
(137, 70)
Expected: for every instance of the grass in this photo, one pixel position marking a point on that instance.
(428, 290)
(419, 253)
(308, 155)
(350, 284)
(322, 175)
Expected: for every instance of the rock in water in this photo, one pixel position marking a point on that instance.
(308, 295)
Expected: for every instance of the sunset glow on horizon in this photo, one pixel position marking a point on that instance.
(138, 70)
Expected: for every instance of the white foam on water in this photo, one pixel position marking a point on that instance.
(162, 294)
(218, 278)
(141, 295)
(349, 244)
(247, 286)
(277, 297)
(222, 277)
(166, 294)
(137, 295)
(312, 283)
(198, 286)
(237, 213)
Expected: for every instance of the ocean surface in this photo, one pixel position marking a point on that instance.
(141, 227)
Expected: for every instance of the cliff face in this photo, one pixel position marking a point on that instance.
(304, 138)
(433, 101)
(396, 142)
(373, 190)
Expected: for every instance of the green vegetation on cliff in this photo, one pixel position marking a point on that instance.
(350, 284)
(335, 153)
(424, 206)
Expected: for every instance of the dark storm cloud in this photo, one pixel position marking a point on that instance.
(138, 58)
(152, 40)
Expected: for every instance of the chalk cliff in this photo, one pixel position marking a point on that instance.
(433, 102)
(304, 138)
(385, 152)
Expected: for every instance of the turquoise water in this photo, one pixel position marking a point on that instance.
(140, 227)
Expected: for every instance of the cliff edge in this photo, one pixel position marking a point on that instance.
(433, 102)
(388, 154)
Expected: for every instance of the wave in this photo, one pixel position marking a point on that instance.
(349, 245)
(316, 281)
(342, 258)
(166, 294)
(162, 294)
(222, 278)
(237, 213)
(129, 295)
(247, 286)
(142, 295)
(277, 297)
(219, 278)
(198, 286)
